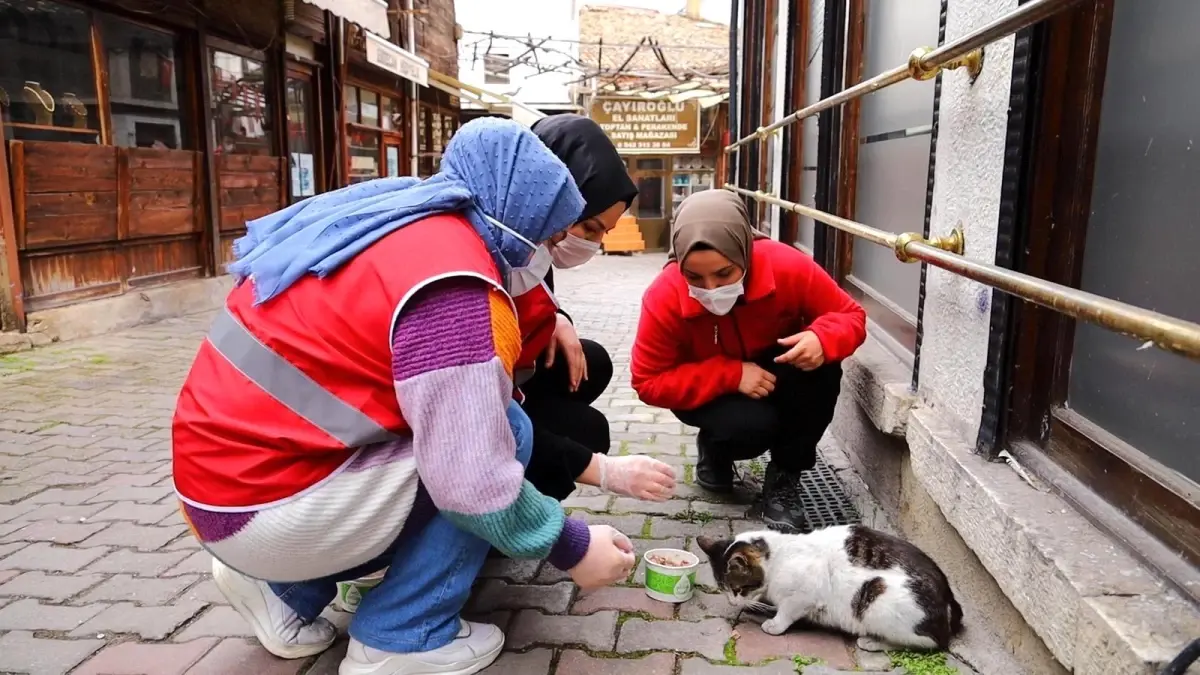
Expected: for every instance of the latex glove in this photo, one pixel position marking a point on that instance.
(566, 340)
(637, 476)
(609, 559)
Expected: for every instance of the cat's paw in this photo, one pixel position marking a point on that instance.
(868, 644)
(774, 627)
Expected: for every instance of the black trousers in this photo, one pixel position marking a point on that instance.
(567, 430)
(788, 422)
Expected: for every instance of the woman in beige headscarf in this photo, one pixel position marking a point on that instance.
(743, 337)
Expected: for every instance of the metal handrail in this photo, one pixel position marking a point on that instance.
(925, 63)
(1165, 332)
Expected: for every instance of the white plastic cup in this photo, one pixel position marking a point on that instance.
(351, 593)
(668, 583)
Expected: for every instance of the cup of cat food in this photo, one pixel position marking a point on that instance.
(351, 593)
(670, 574)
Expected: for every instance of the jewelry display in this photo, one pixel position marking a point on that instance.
(41, 102)
(77, 109)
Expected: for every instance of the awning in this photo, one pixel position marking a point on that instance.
(500, 103)
(370, 14)
(397, 61)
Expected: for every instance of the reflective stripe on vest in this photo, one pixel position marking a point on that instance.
(290, 386)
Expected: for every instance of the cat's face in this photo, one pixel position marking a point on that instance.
(738, 567)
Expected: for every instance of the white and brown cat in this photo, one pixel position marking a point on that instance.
(850, 578)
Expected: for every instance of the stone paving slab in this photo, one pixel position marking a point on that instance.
(98, 574)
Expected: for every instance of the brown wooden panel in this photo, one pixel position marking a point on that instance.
(64, 218)
(260, 179)
(227, 249)
(65, 278)
(252, 163)
(69, 167)
(157, 160)
(162, 212)
(238, 197)
(162, 169)
(160, 262)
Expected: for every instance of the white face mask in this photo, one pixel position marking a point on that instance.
(521, 280)
(573, 251)
(525, 279)
(719, 300)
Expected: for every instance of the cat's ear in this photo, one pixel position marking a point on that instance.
(738, 563)
(712, 546)
(760, 545)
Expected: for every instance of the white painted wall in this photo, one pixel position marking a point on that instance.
(558, 19)
(967, 180)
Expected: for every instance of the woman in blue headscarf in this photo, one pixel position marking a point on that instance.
(352, 410)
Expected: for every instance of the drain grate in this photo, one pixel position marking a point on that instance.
(822, 496)
(824, 500)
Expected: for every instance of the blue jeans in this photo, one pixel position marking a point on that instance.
(430, 571)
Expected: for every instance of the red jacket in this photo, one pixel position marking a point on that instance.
(684, 357)
(235, 444)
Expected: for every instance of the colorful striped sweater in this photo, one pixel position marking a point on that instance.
(454, 351)
(454, 346)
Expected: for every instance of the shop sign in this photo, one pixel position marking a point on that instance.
(639, 126)
(395, 60)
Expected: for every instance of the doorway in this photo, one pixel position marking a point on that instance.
(652, 208)
(302, 140)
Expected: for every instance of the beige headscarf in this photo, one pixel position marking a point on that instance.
(717, 218)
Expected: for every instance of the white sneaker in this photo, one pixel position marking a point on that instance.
(475, 648)
(280, 630)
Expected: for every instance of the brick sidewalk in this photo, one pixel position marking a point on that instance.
(98, 574)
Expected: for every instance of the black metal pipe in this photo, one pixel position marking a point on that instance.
(834, 30)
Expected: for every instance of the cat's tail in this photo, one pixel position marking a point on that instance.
(956, 617)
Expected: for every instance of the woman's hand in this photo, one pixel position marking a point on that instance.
(756, 382)
(637, 476)
(609, 559)
(567, 340)
(806, 352)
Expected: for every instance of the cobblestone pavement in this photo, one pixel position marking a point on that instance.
(98, 574)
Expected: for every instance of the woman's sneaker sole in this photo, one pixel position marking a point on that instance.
(246, 599)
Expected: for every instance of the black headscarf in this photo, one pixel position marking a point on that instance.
(593, 160)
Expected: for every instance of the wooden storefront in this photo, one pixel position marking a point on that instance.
(141, 136)
(671, 150)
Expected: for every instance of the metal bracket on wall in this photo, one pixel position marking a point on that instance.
(954, 242)
(918, 70)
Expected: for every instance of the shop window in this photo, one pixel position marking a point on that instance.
(144, 85)
(47, 77)
(240, 105)
(1144, 174)
(301, 131)
(893, 165)
(424, 144)
(368, 105)
(350, 96)
(364, 155)
(375, 123)
(392, 114)
(692, 174)
(1115, 413)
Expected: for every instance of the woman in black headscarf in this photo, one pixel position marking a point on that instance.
(560, 374)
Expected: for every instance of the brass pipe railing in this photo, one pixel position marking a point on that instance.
(1166, 332)
(925, 63)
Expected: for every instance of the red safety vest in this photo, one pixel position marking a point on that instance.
(537, 313)
(281, 395)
